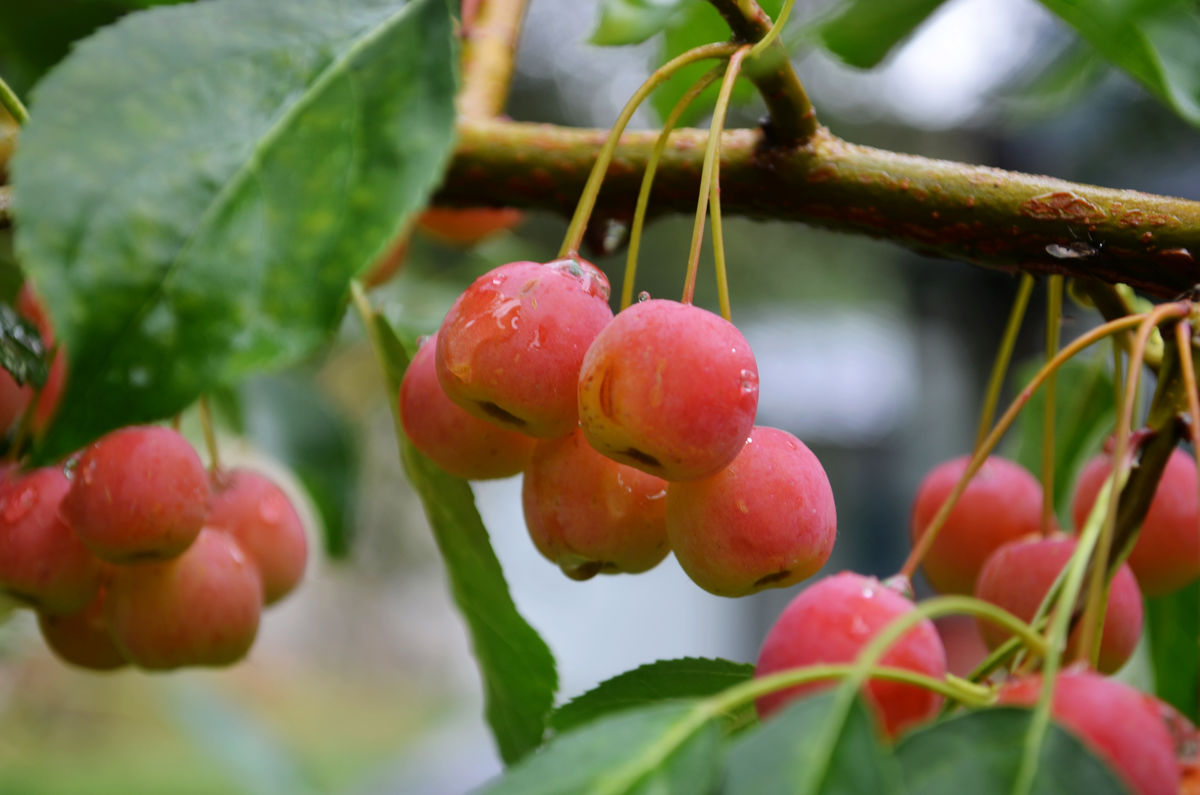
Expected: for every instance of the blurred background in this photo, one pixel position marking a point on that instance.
(362, 682)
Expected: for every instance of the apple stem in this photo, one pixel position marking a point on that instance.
(210, 435)
(1000, 366)
(643, 200)
(12, 103)
(1054, 295)
(709, 168)
(591, 189)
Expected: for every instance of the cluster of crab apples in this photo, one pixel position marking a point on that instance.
(635, 433)
(133, 554)
(636, 437)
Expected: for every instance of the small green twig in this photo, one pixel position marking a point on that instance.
(210, 435)
(12, 103)
(1003, 356)
(1054, 295)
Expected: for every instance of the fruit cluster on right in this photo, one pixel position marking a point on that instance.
(636, 437)
(635, 433)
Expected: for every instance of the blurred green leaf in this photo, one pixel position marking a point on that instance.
(1084, 416)
(1053, 83)
(980, 753)
(1173, 630)
(865, 31)
(1157, 42)
(698, 23)
(664, 680)
(290, 420)
(661, 749)
(197, 184)
(778, 758)
(518, 670)
(632, 21)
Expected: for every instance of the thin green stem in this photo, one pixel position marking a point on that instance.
(1054, 295)
(12, 103)
(775, 30)
(591, 190)
(643, 200)
(707, 170)
(1093, 614)
(714, 205)
(210, 435)
(921, 548)
(1183, 340)
(1003, 357)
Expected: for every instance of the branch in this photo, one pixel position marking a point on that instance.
(793, 120)
(1002, 219)
(489, 41)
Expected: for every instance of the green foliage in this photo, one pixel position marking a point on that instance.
(295, 424)
(664, 680)
(662, 748)
(865, 31)
(1173, 627)
(22, 352)
(1084, 416)
(980, 752)
(782, 756)
(632, 21)
(518, 670)
(190, 225)
(1154, 41)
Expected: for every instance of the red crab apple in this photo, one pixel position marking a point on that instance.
(510, 347)
(669, 388)
(766, 520)
(467, 226)
(1123, 726)
(259, 515)
(42, 561)
(1019, 574)
(82, 638)
(201, 608)
(831, 621)
(1167, 553)
(458, 442)
(591, 515)
(15, 398)
(138, 493)
(1002, 502)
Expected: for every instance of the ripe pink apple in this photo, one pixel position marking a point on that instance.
(765, 521)
(82, 638)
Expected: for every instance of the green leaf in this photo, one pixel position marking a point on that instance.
(697, 23)
(661, 749)
(779, 757)
(296, 424)
(198, 183)
(519, 677)
(22, 352)
(980, 753)
(1157, 42)
(632, 21)
(1173, 627)
(1084, 416)
(865, 31)
(664, 680)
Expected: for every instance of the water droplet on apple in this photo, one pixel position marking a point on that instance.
(643, 296)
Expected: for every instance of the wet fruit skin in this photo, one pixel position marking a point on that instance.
(830, 622)
(1123, 726)
(82, 638)
(138, 493)
(201, 608)
(1020, 573)
(257, 513)
(15, 398)
(460, 443)
(669, 388)
(42, 561)
(1167, 553)
(467, 226)
(510, 347)
(590, 514)
(1003, 502)
(767, 520)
